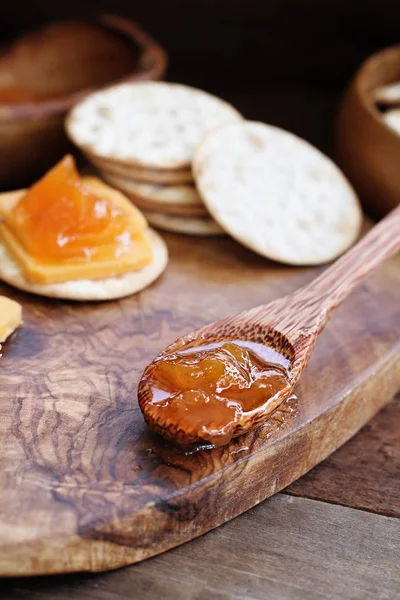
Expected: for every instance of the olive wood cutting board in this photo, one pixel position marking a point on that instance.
(85, 486)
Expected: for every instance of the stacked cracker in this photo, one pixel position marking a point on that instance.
(194, 165)
(142, 138)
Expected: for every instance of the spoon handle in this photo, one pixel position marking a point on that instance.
(336, 282)
(302, 315)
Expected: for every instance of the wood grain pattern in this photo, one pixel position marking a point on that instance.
(285, 549)
(364, 473)
(86, 487)
(290, 325)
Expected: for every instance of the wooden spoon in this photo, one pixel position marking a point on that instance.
(290, 325)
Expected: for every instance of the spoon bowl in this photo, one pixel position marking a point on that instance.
(240, 327)
(289, 325)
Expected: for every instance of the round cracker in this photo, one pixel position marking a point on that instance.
(186, 225)
(277, 194)
(150, 124)
(90, 289)
(174, 199)
(161, 176)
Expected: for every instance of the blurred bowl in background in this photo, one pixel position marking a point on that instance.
(45, 73)
(367, 149)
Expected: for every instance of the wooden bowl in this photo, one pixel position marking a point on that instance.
(31, 133)
(367, 149)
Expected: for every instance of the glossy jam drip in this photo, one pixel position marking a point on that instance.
(59, 218)
(204, 391)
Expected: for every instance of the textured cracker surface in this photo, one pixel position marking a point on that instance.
(90, 289)
(150, 124)
(276, 194)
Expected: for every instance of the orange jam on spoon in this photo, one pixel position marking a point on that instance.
(65, 227)
(203, 391)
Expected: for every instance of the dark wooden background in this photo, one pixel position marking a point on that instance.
(282, 61)
(217, 42)
(285, 62)
(230, 44)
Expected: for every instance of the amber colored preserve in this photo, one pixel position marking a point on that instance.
(204, 390)
(59, 218)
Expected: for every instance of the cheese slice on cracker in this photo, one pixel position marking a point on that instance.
(109, 288)
(105, 278)
(39, 271)
(10, 317)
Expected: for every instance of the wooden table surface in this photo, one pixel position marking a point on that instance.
(335, 533)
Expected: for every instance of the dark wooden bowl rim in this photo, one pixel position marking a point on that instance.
(151, 64)
(363, 87)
